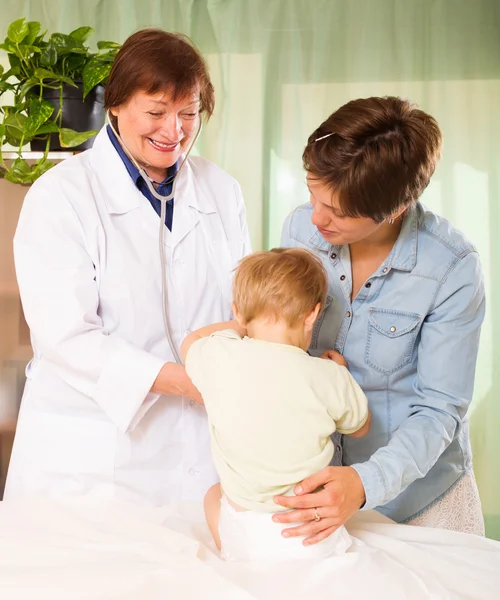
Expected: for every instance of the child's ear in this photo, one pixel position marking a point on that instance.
(237, 316)
(312, 316)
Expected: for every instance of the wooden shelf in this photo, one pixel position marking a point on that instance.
(28, 155)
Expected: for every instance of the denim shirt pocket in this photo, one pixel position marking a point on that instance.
(390, 339)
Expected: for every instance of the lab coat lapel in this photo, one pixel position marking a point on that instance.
(119, 192)
(121, 195)
(189, 203)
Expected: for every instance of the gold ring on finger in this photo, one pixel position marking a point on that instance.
(316, 515)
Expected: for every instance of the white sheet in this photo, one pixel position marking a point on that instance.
(94, 551)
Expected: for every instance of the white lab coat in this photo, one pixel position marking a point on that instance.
(88, 267)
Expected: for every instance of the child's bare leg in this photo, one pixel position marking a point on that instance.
(211, 504)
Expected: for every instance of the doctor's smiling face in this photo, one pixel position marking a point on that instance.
(157, 91)
(157, 128)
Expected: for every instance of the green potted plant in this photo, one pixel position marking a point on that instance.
(46, 75)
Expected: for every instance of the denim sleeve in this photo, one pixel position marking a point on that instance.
(447, 354)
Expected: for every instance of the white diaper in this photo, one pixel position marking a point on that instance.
(254, 536)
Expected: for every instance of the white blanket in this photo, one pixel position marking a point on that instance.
(94, 551)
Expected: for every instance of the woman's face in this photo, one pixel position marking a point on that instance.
(336, 228)
(156, 130)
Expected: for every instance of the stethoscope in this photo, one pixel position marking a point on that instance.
(163, 200)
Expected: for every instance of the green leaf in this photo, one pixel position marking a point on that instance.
(14, 127)
(19, 178)
(11, 140)
(33, 30)
(102, 45)
(26, 87)
(8, 110)
(39, 112)
(39, 39)
(69, 138)
(46, 128)
(19, 105)
(40, 167)
(25, 52)
(65, 44)
(1, 70)
(17, 31)
(20, 172)
(4, 86)
(12, 177)
(107, 56)
(75, 64)
(81, 34)
(20, 166)
(14, 72)
(48, 57)
(2, 130)
(94, 73)
(60, 39)
(14, 62)
(42, 74)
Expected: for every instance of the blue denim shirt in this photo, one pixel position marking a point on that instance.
(411, 338)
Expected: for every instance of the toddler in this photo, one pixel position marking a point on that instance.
(271, 406)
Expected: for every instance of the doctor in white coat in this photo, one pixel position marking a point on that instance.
(106, 409)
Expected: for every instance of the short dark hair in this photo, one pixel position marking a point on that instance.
(379, 156)
(152, 60)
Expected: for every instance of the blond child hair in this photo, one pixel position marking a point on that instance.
(282, 284)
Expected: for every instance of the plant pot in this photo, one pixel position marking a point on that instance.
(77, 114)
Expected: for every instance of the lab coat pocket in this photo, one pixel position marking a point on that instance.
(391, 339)
(75, 446)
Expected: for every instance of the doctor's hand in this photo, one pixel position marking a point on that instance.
(321, 513)
(173, 379)
(335, 356)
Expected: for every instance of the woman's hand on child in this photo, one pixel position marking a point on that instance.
(321, 513)
(335, 356)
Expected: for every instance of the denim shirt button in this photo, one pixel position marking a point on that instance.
(369, 284)
(342, 277)
(348, 313)
(384, 270)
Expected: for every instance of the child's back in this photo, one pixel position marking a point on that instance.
(271, 409)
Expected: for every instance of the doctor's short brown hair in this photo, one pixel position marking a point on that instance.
(377, 154)
(282, 284)
(152, 60)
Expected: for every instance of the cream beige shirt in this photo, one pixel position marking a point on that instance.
(271, 410)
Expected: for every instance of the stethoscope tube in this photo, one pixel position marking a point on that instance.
(161, 239)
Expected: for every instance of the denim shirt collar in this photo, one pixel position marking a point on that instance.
(403, 255)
